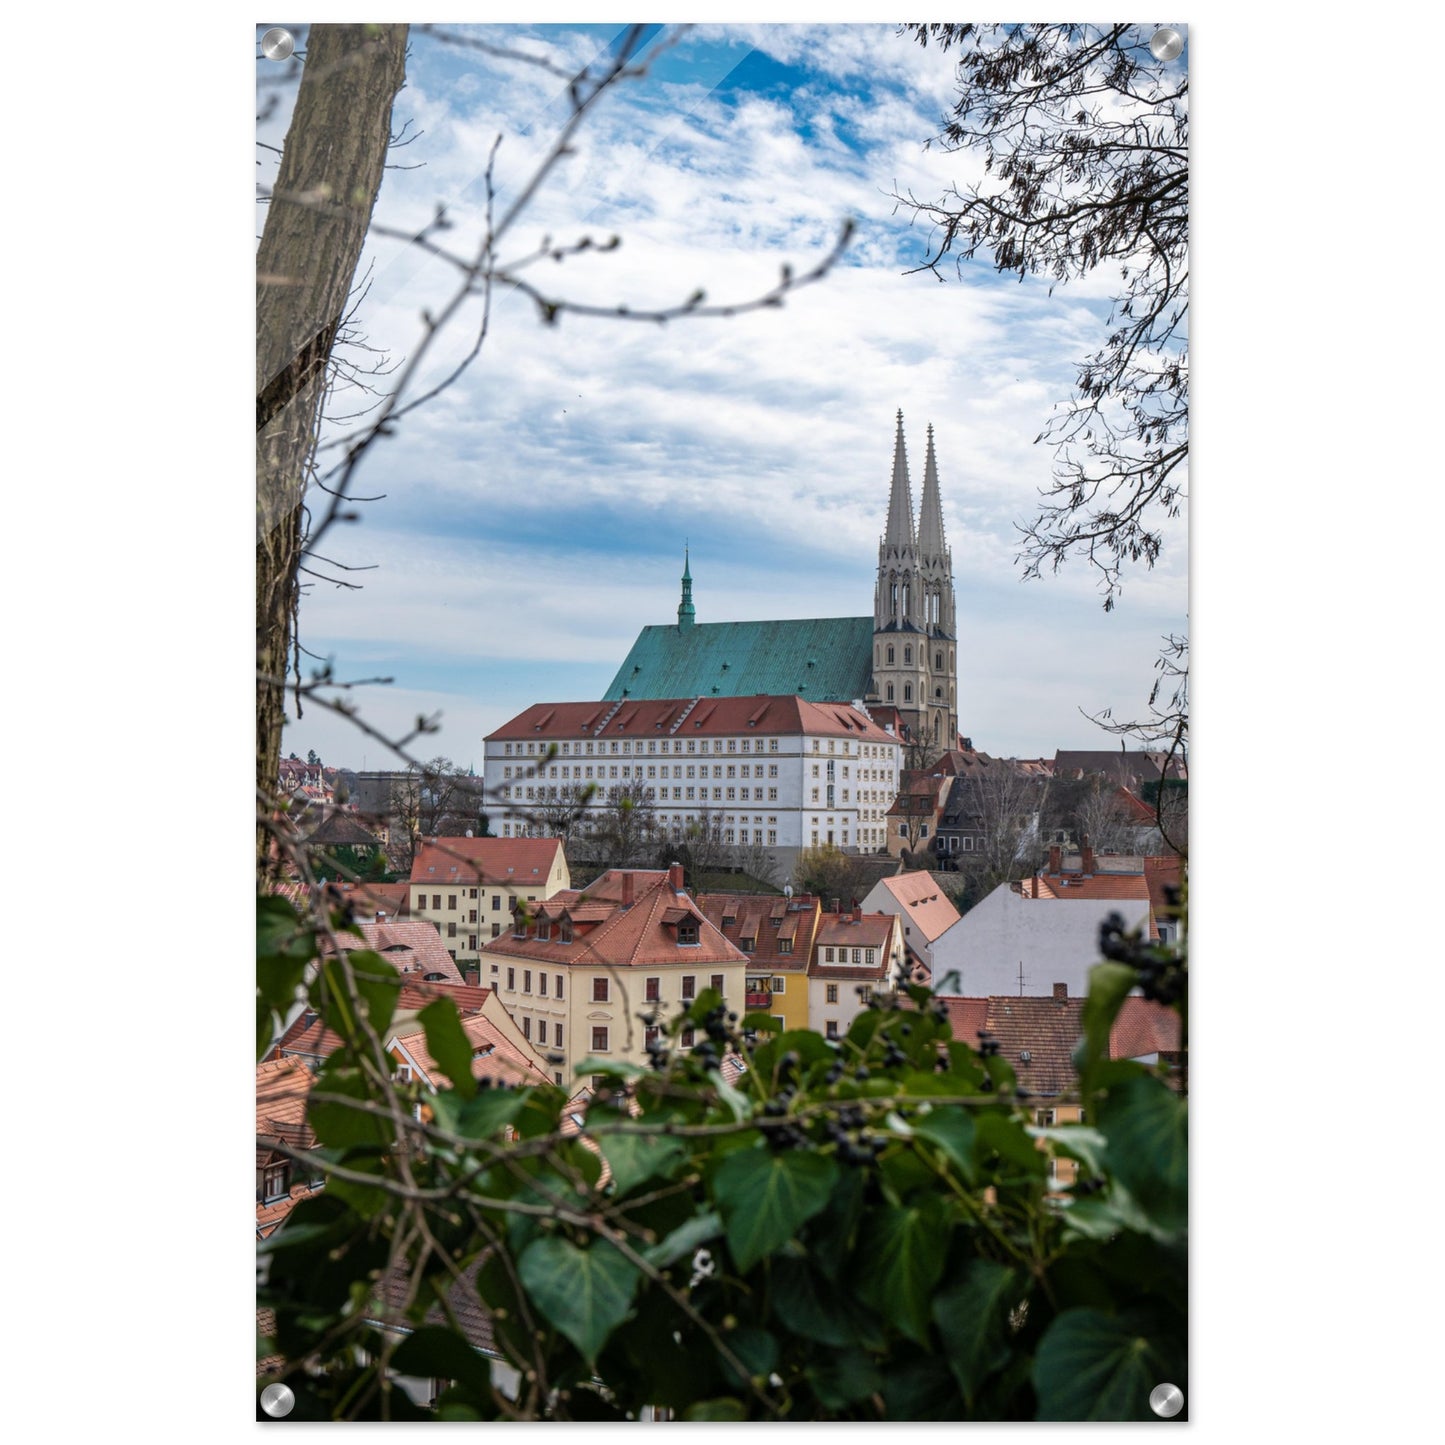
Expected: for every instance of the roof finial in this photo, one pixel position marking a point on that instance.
(686, 612)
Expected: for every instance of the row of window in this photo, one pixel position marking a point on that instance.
(602, 986)
(623, 747)
(419, 903)
(892, 656)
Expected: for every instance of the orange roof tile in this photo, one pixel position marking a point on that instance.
(766, 921)
(630, 935)
(503, 1061)
(690, 717)
(484, 860)
(1142, 1028)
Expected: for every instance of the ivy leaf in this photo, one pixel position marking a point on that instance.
(685, 1240)
(952, 1130)
(903, 1264)
(480, 1116)
(809, 1306)
(1096, 1366)
(845, 1379)
(584, 1293)
(634, 1158)
(973, 1320)
(448, 1044)
(1147, 1126)
(997, 1133)
(765, 1197)
(725, 1407)
(432, 1351)
(1109, 985)
(337, 1124)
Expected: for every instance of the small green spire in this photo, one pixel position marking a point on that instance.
(686, 612)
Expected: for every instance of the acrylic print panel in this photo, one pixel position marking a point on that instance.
(721, 498)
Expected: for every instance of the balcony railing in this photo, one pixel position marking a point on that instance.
(759, 1000)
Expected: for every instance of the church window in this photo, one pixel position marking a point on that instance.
(890, 654)
(907, 692)
(938, 662)
(890, 692)
(938, 693)
(907, 655)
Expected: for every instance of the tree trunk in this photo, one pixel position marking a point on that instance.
(316, 225)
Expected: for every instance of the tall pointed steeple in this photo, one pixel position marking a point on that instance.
(686, 612)
(931, 543)
(900, 498)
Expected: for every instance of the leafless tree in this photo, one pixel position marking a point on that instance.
(318, 213)
(625, 827)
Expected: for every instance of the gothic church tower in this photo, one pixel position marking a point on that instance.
(914, 632)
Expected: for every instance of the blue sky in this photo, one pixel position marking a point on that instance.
(534, 516)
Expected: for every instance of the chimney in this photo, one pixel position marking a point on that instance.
(1061, 993)
(675, 876)
(857, 911)
(381, 915)
(1086, 863)
(628, 881)
(473, 976)
(1056, 859)
(834, 905)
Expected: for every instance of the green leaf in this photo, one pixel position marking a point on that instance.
(448, 1044)
(809, 1306)
(584, 1293)
(1147, 1126)
(906, 1250)
(685, 1240)
(434, 1351)
(634, 1158)
(1075, 1141)
(920, 1387)
(844, 1379)
(725, 1407)
(765, 1197)
(973, 1316)
(1096, 1366)
(737, 1102)
(757, 1353)
(952, 1130)
(998, 1133)
(481, 1116)
(1109, 985)
(337, 1124)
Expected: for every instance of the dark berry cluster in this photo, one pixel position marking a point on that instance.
(1161, 975)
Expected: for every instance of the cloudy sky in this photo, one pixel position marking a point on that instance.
(532, 518)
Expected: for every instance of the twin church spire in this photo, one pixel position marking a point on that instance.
(915, 642)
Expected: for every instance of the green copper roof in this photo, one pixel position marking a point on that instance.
(822, 659)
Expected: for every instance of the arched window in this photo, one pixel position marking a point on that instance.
(890, 654)
(907, 654)
(938, 693)
(907, 692)
(938, 662)
(890, 692)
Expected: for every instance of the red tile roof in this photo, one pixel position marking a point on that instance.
(690, 717)
(1144, 1028)
(503, 1060)
(966, 1016)
(412, 946)
(282, 1086)
(1128, 886)
(629, 935)
(766, 921)
(440, 861)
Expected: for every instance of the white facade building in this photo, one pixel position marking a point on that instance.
(779, 773)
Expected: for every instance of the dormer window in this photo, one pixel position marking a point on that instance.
(564, 931)
(544, 932)
(687, 931)
(749, 945)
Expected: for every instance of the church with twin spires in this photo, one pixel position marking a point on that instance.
(901, 663)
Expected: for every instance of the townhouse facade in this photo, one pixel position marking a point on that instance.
(598, 973)
(467, 887)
